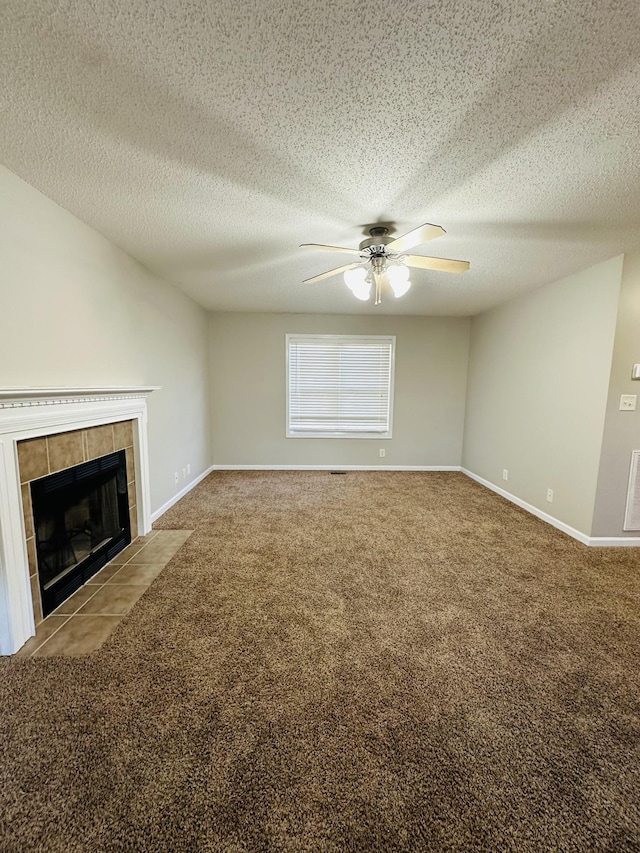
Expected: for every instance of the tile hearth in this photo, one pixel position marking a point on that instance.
(83, 622)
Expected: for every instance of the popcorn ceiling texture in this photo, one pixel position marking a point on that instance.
(209, 139)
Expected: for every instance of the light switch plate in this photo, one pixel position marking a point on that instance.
(628, 402)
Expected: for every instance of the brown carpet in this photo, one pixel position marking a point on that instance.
(370, 662)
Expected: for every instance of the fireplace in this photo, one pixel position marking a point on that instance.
(81, 521)
(47, 431)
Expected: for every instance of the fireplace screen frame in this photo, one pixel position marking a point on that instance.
(58, 495)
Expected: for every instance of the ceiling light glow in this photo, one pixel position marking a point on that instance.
(398, 279)
(356, 281)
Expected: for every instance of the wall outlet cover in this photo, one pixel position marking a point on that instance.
(628, 402)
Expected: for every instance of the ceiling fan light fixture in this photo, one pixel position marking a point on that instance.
(356, 281)
(400, 288)
(362, 291)
(354, 277)
(398, 276)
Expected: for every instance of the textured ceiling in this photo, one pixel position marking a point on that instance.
(208, 138)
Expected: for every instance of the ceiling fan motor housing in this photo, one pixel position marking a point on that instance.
(376, 243)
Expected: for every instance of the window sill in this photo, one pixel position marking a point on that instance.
(378, 436)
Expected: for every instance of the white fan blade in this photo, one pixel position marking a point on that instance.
(413, 238)
(336, 271)
(329, 248)
(442, 264)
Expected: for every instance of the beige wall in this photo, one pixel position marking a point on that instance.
(622, 429)
(538, 379)
(248, 391)
(77, 311)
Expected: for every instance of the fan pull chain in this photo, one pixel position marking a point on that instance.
(378, 300)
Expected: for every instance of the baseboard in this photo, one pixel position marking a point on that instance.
(614, 541)
(591, 541)
(336, 467)
(174, 500)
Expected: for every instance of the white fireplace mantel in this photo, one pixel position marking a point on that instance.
(31, 413)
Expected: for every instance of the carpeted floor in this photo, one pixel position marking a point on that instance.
(369, 662)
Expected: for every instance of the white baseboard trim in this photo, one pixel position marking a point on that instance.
(591, 541)
(174, 500)
(337, 467)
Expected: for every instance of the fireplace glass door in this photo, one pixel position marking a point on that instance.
(81, 517)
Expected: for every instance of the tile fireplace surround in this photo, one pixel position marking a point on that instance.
(35, 413)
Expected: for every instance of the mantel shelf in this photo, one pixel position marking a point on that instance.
(40, 396)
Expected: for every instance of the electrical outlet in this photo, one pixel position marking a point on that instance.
(550, 495)
(189, 468)
(382, 452)
(505, 474)
(184, 473)
(628, 402)
(176, 477)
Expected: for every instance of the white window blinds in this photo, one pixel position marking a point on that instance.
(339, 386)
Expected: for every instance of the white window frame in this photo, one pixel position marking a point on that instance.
(346, 339)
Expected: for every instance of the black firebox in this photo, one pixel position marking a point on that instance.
(81, 518)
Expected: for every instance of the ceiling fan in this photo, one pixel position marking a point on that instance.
(383, 262)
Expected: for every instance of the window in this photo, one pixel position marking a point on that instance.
(339, 386)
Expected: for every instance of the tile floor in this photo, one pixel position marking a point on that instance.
(83, 622)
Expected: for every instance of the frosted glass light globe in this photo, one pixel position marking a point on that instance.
(355, 278)
(398, 279)
(356, 281)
